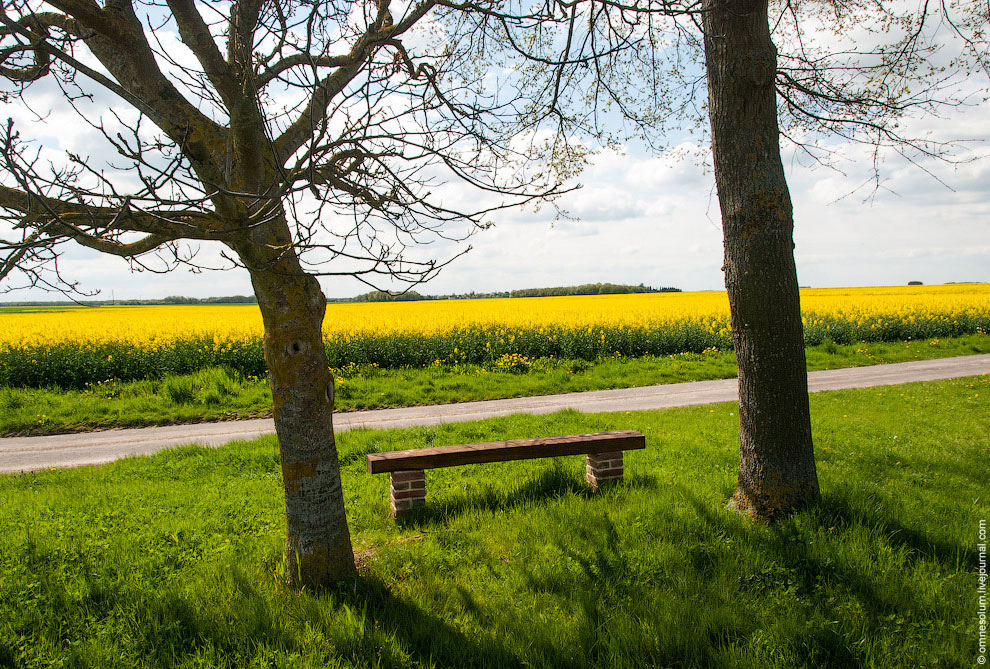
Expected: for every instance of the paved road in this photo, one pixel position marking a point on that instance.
(71, 450)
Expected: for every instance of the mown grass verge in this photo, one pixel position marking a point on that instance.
(223, 394)
(175, 560)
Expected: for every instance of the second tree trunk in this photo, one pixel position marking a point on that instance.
(777, 472)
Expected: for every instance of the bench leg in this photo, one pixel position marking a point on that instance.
(603, 468)
(407, 490)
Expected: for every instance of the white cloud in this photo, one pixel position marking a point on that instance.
(650, 220)
(655, 220)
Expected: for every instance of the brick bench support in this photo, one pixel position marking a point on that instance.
(603, 468)
(407, 469)
(407, 490)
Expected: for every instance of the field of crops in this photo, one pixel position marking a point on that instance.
(73, 347)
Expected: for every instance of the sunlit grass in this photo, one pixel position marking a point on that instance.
(222, 393)
(175, 560)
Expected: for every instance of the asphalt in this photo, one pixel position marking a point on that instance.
(92, 448)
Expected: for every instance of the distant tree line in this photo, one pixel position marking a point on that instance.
(384, 296)
(171, 299)
(591, 289)
(176, 299)
(560, 291)
(381, 296)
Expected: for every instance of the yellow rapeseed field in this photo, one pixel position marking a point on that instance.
(150, 327)
(78, 347)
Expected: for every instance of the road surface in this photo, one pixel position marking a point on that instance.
(91, 448)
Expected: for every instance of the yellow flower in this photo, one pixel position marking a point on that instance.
(228, 328)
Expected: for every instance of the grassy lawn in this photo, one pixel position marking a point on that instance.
(217, 394)
(175, 560)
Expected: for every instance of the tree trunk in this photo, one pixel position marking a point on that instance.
(777, 463)
(318, 547)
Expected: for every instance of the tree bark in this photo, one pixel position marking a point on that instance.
(318, 546)
(777, 464)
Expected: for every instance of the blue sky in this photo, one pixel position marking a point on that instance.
(654, 219)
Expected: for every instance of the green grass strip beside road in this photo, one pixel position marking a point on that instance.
(176, 560)
(219, 394)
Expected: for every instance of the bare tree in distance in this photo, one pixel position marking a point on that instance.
(307, 138)
(749, 75)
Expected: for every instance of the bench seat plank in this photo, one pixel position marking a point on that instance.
(504, 451)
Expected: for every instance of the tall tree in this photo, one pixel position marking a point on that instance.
(777, 461)
(861, 95)
(307, 138)
(852, 69)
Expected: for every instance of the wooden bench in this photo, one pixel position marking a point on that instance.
(407, 488)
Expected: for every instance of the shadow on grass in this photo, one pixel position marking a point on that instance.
(791, 562)
(837, 510)
(425, 638)
(226, 617)
(548, 485)
(360, 621)
(617, 622)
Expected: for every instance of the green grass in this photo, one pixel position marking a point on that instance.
(210, 394)
(175, 560)
(222, 393)
(40, 309)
